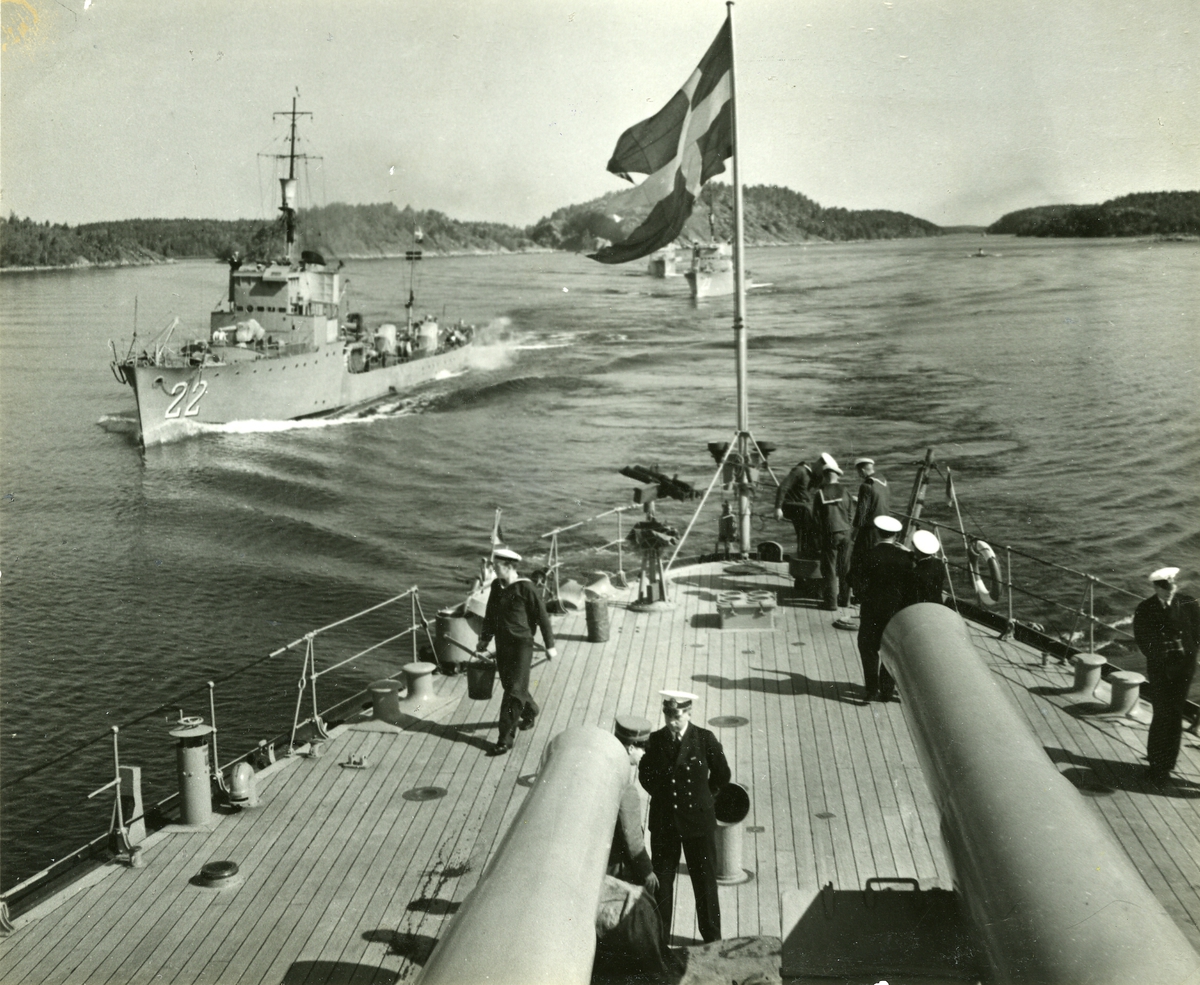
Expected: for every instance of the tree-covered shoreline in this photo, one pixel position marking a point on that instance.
(773, 215)
(1140, 214)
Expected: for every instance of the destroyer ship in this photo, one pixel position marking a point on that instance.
(283, 345)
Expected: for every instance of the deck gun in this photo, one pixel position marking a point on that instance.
(656, 485)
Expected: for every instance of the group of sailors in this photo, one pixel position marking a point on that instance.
(854, 536)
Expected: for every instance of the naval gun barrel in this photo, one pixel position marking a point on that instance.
(1052, 895)
(532, 917)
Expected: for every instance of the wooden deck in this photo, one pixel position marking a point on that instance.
(350, 875)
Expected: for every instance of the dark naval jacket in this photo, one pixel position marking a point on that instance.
(1168, 635)
(516, 612)
(682, 787)
(872, 502)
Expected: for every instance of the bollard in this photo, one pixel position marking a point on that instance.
(731, 806)
(1126, 686)
(1088, 667)
(597, 620)
(419, 675)
(191, 757)
(385, 701)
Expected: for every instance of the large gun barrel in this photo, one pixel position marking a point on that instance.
(532, 917)
(1054, 897)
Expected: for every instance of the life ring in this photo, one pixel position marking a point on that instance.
(982, 556)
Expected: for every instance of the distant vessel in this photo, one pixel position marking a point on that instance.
(282, 346)
(665, 262)
(711, 273)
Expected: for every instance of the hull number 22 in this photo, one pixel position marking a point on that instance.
(176, 408)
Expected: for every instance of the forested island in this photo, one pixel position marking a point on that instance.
(773, 215)
(1142, 214)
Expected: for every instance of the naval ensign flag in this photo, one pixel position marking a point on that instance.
(680, 148)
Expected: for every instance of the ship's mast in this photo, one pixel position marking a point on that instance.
(288, 184)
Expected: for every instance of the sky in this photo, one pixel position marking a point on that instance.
(956, 111)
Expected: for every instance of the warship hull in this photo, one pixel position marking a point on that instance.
(174, 402)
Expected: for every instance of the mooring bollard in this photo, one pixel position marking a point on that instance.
(385, 701)
(1088, 667)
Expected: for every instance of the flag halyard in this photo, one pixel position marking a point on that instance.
(679, 148)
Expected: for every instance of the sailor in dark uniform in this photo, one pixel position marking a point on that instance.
(683, 769)
(885, 586)
(515, 611)
(793, 501)
(1166, 628)
(831, 525)
(872, 502)
(929, 569)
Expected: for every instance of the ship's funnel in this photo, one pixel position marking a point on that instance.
(288, 187)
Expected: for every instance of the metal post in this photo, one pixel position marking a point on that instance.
(1008, 626)
(212, 717)
(1091, 614)
(117, 774)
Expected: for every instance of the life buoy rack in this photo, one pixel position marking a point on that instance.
(983, 560)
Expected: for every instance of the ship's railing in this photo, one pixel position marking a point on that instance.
(589, 545)
(66, 797)
(310, 674)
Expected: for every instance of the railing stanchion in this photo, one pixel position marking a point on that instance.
(212, 717)
(1010, 624)
(412, 622)
(1091, 614)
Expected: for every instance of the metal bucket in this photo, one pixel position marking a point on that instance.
(481, 677)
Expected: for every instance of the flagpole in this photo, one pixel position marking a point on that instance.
(739, 307)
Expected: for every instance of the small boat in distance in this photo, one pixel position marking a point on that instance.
(283, 346)
(711, 273)
(665, 262)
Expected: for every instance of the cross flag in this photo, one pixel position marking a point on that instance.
(680, 148)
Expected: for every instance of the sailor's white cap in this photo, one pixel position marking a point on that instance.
(677, 699)
(1164, 574)
(829, 463)
(888, 524)
(863, 461)
(504, 554)
(926, 542)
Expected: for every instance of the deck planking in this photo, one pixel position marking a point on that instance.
(345, 878)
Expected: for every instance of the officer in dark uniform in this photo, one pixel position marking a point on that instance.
(929, 570)
(683, 769)
(1166, 628)
(885, 587)
(872, 502)
(831, 524)
(793, 501)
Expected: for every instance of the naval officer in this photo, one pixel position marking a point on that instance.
(683, 769)
(1166, 628)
